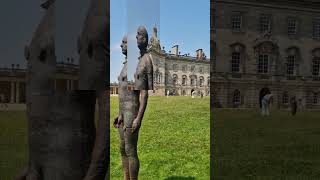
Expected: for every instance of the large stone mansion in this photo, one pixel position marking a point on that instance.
(175, 73)
(265, 45)
(13, 81)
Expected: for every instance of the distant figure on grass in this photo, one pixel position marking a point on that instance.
(294, 106)
(265, 102)
(168, 93)
(193, 94)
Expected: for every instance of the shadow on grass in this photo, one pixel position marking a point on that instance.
(180, 178)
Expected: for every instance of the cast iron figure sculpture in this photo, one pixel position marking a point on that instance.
(63, 141)
(123, 98)
(93, 47)
(133, 104)
(39, 88)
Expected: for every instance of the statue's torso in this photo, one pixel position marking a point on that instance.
(128, 99)
(143, 73)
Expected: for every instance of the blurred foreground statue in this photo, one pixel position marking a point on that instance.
(93, 47)
(64, 143)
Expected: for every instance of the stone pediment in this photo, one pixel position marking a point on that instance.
(265, 37)
(266, 44)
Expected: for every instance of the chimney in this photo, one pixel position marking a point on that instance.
(175, 50)
(199, 53)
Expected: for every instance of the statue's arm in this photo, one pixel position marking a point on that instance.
(144, 94)
(100, 155)
(150, 73)
(143, 104)
(118, 119)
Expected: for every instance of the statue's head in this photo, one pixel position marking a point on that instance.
(46, 3)
(124, 45)
(142, 38)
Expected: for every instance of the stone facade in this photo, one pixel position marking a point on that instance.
(265, 45)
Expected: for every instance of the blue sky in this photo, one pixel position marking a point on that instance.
(182, 22)
(17, 27)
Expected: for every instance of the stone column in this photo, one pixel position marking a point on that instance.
(12, 92)
(18, 92)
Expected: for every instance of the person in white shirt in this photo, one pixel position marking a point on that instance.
(265, 102)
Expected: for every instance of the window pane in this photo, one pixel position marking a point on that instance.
(292, 26)
(316, 29)
(265, 23)
(316, 67)
(290, 65)
(236, 22)
(235, 62)
(263, 64)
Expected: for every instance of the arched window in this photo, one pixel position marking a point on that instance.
(237, 54)
(316, 62)
(235, 62)
(166, 78)
(290, 65)
(193, 80)
(201, 81)
(236, 97)
(160, 78)
(285, 98)
(156, 76)
(263, 63)
(174, 79)
(316, 66)
(184, 80)
(266, 53)
(208, 81)
(292, 59)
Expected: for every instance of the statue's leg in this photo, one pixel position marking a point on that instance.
(124, 157)
(34, 173)
(131, 142)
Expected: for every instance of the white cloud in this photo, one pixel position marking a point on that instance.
(115, 47)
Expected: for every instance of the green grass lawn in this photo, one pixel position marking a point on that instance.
(247, 146)
(173, 142)
(13, 144)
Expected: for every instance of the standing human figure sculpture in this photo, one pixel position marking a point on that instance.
(64, 143)
(133, 104)
(265, 102)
